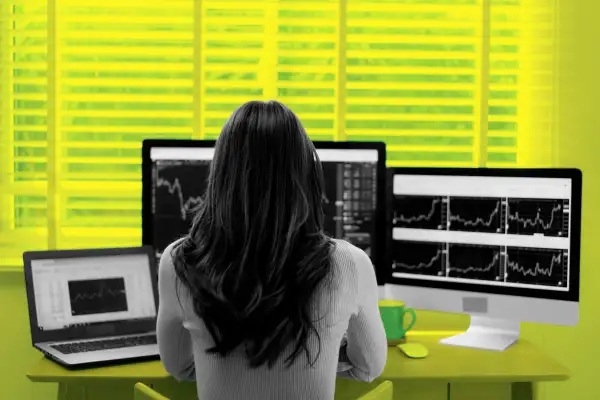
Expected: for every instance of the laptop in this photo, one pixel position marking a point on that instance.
(92, 307)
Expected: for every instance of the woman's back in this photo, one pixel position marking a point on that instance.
(257, 297)
(345, 303)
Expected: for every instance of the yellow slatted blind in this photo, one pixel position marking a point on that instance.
(285, 50)
(505, 78)
(125, 74)
(23, 127)
(307, 41)
(409, 72)
(523, 74)
(413, 78)
(232, 56)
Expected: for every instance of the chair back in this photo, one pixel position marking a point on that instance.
(383, 391)
(143, 392)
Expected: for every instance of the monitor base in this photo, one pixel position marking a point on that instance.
(486, 334)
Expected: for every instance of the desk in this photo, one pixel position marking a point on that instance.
(447, 373)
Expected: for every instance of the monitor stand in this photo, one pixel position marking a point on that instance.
(486, 334)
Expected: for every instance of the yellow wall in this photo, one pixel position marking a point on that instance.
(579, 140)
(16, 353)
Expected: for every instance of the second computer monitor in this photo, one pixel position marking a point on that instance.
(498, 244)
(175, 172)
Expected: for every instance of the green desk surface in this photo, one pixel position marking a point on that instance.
(46, 370)
(523, 362)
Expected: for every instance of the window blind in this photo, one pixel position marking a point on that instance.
(23, 127)
(285, 50)
(125, 73)
(413, 72)
(523, 88)
(504, 96)
(418, 74)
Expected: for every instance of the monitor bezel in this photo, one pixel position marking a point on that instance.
(573, 174)
(379, 237)
(96, 330)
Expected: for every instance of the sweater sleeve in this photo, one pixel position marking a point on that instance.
(364, 351)
(174, 342)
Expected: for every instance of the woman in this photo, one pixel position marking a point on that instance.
(256, 302)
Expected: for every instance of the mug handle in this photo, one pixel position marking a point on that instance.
(413, 315)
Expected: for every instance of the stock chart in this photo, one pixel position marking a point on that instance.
(97, 296)
(420, 258)
(475, 215)
(475, 262)
(535, 217)
(537, 266)
(178, 190)
(421, 212)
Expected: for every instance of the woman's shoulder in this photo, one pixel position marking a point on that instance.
(166, 265)
(348, 256)
(350, 266)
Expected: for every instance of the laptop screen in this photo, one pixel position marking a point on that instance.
(72, 292)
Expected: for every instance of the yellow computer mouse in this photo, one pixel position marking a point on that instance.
(413, 350)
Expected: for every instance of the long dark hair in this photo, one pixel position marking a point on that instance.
(256, 252)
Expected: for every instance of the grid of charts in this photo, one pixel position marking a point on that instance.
(489, 240)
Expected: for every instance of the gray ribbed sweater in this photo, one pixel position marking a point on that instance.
(353, 342)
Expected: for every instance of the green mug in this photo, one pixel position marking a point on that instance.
(392, 314)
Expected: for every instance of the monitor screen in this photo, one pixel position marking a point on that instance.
(178, 182)
(175, 173)
(79, 291)
(503, 234)
(350, 196)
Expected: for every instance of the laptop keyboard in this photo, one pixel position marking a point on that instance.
(97, 345)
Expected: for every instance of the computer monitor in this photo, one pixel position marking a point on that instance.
(173, 173)
(501, 245)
